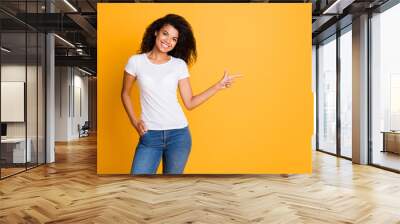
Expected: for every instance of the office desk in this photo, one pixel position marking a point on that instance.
(391, 141)
(13, 150)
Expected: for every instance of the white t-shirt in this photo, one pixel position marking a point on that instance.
(158, 84)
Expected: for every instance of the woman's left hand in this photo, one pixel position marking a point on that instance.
(227, 80)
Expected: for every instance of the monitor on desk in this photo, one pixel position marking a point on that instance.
(3, 130)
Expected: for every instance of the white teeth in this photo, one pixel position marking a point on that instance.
(166, 46)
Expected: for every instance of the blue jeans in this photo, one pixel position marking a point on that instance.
(173, 146)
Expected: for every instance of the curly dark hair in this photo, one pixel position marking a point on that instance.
(184, 49)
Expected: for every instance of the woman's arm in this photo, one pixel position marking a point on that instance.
(128, 82)
(191, 101)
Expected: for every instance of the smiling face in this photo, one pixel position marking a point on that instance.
(166, 38)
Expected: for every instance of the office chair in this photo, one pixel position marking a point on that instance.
(84, 130)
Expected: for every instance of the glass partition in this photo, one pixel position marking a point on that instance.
(14, 145)
(22, 88)
(41, 107)
(32, 95)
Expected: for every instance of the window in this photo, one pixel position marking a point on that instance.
(346, 93)
(385, 88)
(327, 95)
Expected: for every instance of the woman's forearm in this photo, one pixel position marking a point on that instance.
(126, 101)
(202, 97)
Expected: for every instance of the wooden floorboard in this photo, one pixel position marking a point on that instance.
(70, 191)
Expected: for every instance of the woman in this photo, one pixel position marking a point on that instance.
(167, 47)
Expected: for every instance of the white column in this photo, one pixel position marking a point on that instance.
(360, 90)
(50, 91)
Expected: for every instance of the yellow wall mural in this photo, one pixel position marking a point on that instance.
(263, 124)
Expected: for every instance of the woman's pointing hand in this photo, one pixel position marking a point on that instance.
(227, 80)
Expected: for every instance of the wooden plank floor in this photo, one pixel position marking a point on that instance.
(69, 191)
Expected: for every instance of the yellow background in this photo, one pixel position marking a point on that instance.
(262, 124)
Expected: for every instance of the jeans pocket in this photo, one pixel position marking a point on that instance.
(144, 135)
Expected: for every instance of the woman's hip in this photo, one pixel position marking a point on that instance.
(160, 138)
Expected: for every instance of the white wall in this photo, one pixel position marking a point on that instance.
(15, 72)
(71, 93)
(61, 103)
(11, 73)
(81, 84)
